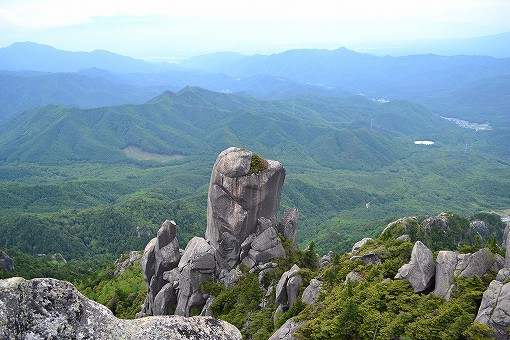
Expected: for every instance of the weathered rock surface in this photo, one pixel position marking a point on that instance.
(507, 246)
(282, 291)
(404, 237)
(494, 310)
(6, 262)
(311, 292)
(54, 309)
(478, 263)
(198, 264)
(446, 263)
(357, 246)
(121, 265)
(369, 258)
(237, 199)
(288, 226)
(440, 221)
(420, 271)
(503, 274)
(160, 255)
(452, 264)
(265, 246)
(286, 331)
(505, 236)
(353, 276)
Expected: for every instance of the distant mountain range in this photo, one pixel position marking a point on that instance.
(474, 88)
(193, 122)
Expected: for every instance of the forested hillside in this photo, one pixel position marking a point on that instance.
(88, 179)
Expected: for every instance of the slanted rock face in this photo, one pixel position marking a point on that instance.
(283, 288)
(263, 247)
(445, 268)
(286, 331)
(420, 270)
(311, 293)
(237, 199)
(357, 246)
(54, 309)
(197, 265)
(478, 263)
(288, 226)
(494, 310)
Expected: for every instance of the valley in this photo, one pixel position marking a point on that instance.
(140, 149)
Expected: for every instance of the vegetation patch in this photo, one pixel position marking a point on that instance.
(257, 165)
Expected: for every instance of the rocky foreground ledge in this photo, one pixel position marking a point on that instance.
(54, 309)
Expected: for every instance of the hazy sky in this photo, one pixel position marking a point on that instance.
(175, 29)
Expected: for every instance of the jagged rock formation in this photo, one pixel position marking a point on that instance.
(262, 247)
(6, 262)
(451, 264)
(243, 199)
(420, 270)
(243, 188)
(160, 257)
(54, 309)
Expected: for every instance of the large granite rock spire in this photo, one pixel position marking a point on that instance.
(54, 309)
(243, 189)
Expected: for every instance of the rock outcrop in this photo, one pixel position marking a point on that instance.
(311, 292)
(494, 310)
(368, 258)
(352, 276)
(262, 247)
(286, 331)
(54, 309)
(243, 200)
(198, 264)
(121, 264)
(288, 226)
(420, 270)
(445, 270)
(160, 256)
(243, 188)
(6, 262)
(288, 287)
(357, 246)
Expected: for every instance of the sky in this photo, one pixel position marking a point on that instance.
(171, 30)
